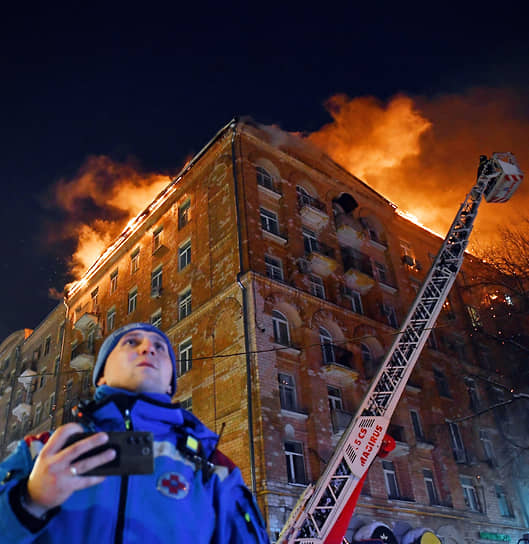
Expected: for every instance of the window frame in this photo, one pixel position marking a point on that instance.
(328, 354)
(356, 302)
(184, 304)
(470, 493)
(317, 287)
(184, 255)
(156, 319)
(114, 281)
(185, 356)
(135, 261)
(156, 281)
(390, 477)
(280, 324)
(111, 319)
(269, 221)
(157, 239)
(184, 213)
(335, 398)
(287, 392)
(274, 270)
(132, 300)
(431, 487)
(295, 462)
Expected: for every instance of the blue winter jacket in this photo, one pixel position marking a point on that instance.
(178, 503)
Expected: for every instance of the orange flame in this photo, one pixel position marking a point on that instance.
(98, 201)
(422, 153)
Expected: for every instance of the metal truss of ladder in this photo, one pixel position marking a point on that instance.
(319, 507)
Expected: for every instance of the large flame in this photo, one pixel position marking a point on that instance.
(422, 153)
(97, 203)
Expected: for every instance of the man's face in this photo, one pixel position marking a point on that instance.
(140, 362)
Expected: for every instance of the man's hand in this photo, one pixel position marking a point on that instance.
(54, 478)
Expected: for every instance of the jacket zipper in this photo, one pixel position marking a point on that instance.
(120, 524)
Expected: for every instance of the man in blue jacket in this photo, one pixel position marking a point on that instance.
(45, 497)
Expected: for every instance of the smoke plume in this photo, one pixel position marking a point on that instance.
(422, 153)
(96, 204)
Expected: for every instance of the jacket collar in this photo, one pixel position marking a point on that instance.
(148, 412)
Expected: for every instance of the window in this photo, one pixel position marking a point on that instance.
(57, 366)
(187, 404)
(295, 463)
(390, 477)
(417, 426)
(135, 260)
(156, 282)
(94, 296)
(156, 319)
(472, 393)
(316, 286)
(184, 214)
(327, 347)
(184, 255)
(407, 253)
(132, 300)
(498, 396)
(391, 316)
(469, 493)
(475, 319)
(281, 329)
(269, 221)
(184, 304)
(52, 403)
(114, 281)
(335, 398)
(310, 241)
(111, 319)
(356, 302)
(458, 448)
(442, 384)
(503, 502)
(185, 356)
(264, 178)
(488, 448)
(274, 269)
(304, 199)
(287, 392)
(47, 344)
(381, 272)
(157, 239)
(429, 482)
(42, 379)
(367, 360)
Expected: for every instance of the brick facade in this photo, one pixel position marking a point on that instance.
(297, 277)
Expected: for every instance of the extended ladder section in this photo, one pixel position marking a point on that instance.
(319, 507)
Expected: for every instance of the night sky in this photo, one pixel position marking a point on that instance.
(152, 85)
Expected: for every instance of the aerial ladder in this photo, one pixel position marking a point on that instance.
(323, 512)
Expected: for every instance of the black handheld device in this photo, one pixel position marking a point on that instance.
(134, 453)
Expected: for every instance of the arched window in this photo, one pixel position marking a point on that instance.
(281, 328)
(264, 178)
(304, 198)
(327, 347)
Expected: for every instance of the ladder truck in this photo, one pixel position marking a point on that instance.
(323, 512)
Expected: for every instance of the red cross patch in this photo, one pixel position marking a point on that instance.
(173, 484)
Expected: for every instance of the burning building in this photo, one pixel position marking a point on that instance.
(281, 279)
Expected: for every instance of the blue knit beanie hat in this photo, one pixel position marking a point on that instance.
(112, 340)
